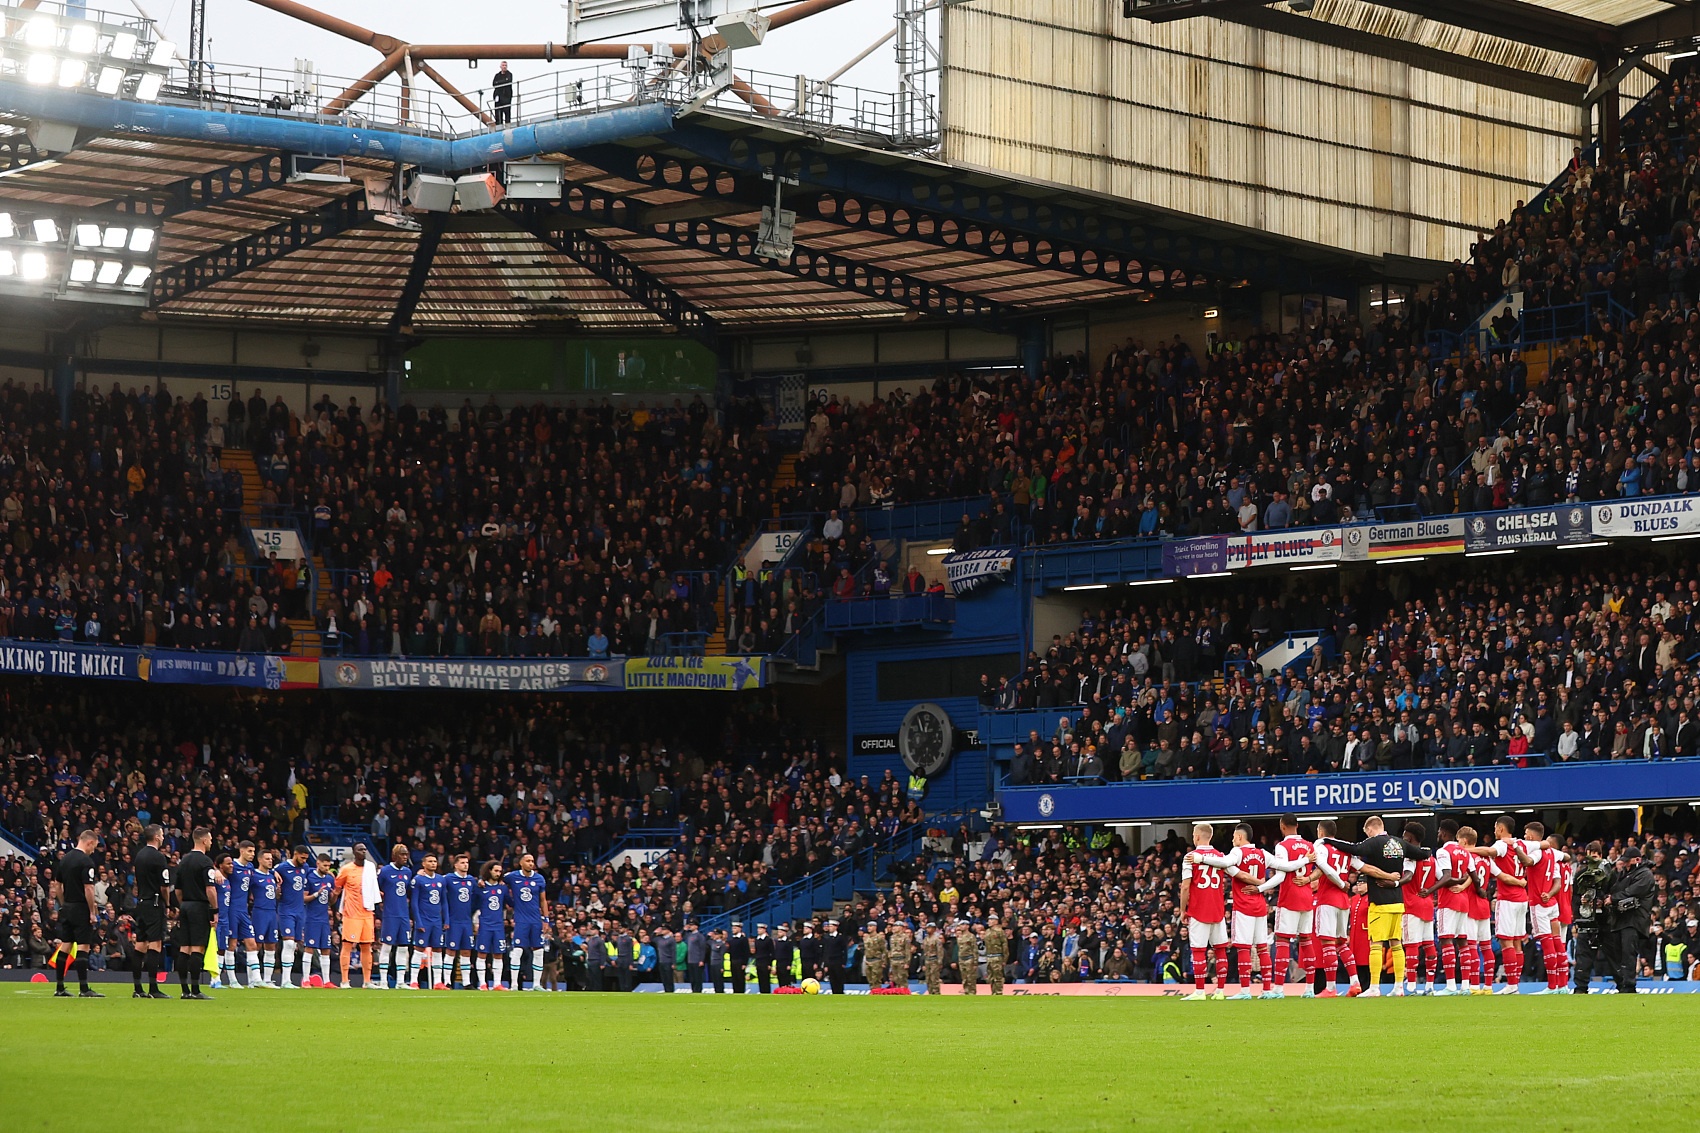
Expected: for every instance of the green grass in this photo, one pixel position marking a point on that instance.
(298, 1061)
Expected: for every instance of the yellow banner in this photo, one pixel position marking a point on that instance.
(718, 674)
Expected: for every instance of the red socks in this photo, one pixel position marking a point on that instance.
(1200, 967)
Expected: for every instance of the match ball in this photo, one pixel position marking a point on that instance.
(811, 986)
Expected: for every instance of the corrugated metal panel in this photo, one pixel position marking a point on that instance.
(1247, 126)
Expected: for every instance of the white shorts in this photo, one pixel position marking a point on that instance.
(1333, 922)
(1250, 930)
(1455, 922)
(1417, 930)
(1292, 922)
(1511, 919)
(1201, 934)
(1543, 920)
(1480, 931)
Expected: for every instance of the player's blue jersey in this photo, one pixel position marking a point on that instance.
(492, 899)
(294, 880)
(526, 896)
(317, 895)
(241, 888)
(395, 883)
(462, 894)
(265, 891)
(428, 893)
(223, 898)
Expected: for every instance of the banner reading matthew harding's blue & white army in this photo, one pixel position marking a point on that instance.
(483, 676)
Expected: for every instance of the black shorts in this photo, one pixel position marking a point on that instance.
(195, 920)
(150, 924)
(75, 927)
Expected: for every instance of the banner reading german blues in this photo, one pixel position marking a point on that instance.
(57, 659)
(230, 670)
(1668, 515)
(490, 675)
(1437, 535)
(720, 674)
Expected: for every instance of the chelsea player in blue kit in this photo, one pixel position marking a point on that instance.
(430, 926)
(530, 906)
(292, 910)
(316, 924)
(395, 884)
(462, 891)
(241, 927)
(264, 891)
(226, 946)
(492, 906)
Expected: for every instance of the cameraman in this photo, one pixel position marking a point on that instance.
(1593, 882)
(1631, 901)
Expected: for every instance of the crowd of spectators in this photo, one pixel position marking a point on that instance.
(1484, 664)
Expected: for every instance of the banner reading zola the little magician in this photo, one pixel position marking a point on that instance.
(720, 674)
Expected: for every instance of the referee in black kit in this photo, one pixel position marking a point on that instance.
(73, 894)
(153, 895)
(197, 909)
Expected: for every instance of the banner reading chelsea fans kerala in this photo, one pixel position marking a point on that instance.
(480, 676)
(1670, 515)
(718, 674)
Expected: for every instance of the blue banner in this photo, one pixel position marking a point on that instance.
(967, 571)
(61, 659)
(230, 670)
(1488, 789)
(1207, 554)
(1527, 527)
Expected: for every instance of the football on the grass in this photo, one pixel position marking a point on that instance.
(811, 986)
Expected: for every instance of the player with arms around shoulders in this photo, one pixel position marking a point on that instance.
(395, 920)
(292, 911)
(530, 907)
(1419, 915)
(1384, 860)
(492, 908)
(1452, 886)
(1295, 906)
(1333, 906)
(462, 895)
(316, 920)
(430, 921)
(1254, 874)
(1204, 907)
(1544, 864)
(266, 887)
(1505, 860)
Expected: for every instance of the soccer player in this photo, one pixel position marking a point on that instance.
(395, 882)
(316, 920)
(73, 896)
(292, 910)
(197, 908)
(1544, 863)
(356, 913)
(1419, 914)
(1333, 906)
(1295, 906)
(1383, 859)
(462, 891)
(1566, 915)
(1203, 907)
(492, 905)
(153, 897)
(241, 928)
(264, 889)
(429, 927)
(1481, 912)
(1451, 885)
(1253, 874)
(530, 906)
(225, 865)
(1511, 897)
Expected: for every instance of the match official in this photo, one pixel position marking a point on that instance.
(153, 896)
(197, 908)
(73, 894)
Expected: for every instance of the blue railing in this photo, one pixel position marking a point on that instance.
(891, 612)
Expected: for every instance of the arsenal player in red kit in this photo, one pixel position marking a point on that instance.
(1333, 906)
(1204, 908)
(1254, 874)
(1295, 906)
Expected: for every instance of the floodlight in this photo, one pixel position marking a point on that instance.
(162, 53)
(88, 235)
(147, 89)
(123, 46)
(138, 276)
(83, 39)
(82, 271)
(34, 266)
(110, 270)
(111, 80)
(115, 237)
(8, 264)
(141, 239)
(72, 72)
(41, 69)
(46, 230)
(41, 31)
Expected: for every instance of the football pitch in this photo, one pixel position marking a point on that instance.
(335, 1060)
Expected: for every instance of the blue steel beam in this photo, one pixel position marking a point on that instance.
(280, 240)
(111, 115)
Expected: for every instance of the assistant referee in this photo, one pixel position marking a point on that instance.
(73, 896)
(197, 908)
(153, 895)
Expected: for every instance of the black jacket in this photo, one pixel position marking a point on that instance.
(1632, 899)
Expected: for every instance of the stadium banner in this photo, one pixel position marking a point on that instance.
(1669, 515)
(967, 571)
(63, 659)
(1284, 548)
(1486, 789)
(479, 676)
(718, 674)
(229, 670)
(1207, 554)
(1439, 535)
(1527, 527)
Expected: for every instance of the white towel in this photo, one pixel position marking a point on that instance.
(369, 895)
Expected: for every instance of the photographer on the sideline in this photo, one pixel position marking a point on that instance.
(1631, 901)
(1594, 878)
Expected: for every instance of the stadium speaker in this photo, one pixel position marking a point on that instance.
(432, 193)
(479, 191)
(742, 29)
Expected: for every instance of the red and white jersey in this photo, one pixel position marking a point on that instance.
(1327, 893)
(1204, 899)
(1454, 861)
(1566, 883)
(1295, 894)
(1480, 908)
(1548, 863)
(1248, 898)
(1503, 854)
(1416, 905)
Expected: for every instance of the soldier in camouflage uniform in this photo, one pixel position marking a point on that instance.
(902, 951)
(997, 951)
(932, 958)
(873, 956)
(967, 957)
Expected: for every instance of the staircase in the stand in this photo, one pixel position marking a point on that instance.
(241, 461)
(785, 476)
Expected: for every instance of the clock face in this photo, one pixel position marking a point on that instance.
(925, 739)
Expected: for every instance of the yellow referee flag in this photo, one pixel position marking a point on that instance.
(210, 963)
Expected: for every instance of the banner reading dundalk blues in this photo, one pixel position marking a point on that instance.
(718, 674)
(473, 675)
